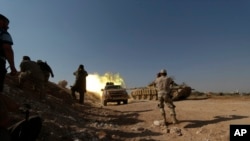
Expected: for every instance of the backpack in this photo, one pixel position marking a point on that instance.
(44, 66)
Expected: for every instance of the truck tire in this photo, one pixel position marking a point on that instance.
(125, 101)
(104, 102)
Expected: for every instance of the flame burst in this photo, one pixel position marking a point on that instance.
(96, 82)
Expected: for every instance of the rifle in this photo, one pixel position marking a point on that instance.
(27, 129)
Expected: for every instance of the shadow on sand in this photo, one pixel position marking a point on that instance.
(217, 119)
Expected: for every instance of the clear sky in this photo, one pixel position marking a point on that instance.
(204, 43)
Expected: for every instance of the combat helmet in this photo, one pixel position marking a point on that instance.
(163, 71)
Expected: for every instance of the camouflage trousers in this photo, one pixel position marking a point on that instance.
(164, 98)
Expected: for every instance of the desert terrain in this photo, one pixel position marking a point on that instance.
(139, 120)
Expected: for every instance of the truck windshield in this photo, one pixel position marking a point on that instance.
(113, 87)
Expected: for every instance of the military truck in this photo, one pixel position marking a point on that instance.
(178, 92)
(114, 93)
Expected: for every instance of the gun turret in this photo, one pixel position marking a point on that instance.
(178, 92)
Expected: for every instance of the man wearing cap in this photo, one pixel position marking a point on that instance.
(162, 84)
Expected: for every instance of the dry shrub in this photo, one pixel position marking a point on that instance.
(63, 83)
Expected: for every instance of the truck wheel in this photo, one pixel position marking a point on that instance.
(104, 102)
(125, 101)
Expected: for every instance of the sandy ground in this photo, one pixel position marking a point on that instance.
(199, 120)
(66, 120)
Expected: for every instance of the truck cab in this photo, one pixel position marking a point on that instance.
(114, 93)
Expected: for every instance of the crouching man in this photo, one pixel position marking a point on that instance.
(31, 71)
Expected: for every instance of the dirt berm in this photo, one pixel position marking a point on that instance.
(65, 120)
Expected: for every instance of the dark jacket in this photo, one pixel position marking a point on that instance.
(80, 82)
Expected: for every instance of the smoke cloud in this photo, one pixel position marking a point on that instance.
(96, 82)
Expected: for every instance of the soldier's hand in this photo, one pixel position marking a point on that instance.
(13, 71)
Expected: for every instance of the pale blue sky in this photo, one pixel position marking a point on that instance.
(204, 43)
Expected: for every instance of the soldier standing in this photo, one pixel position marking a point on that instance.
(6, 54)
(6, 103)
(80, 83)
(6, 51)
(163, 89)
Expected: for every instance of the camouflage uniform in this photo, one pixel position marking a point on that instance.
(80, 83)
(30, 70)
(163, 89)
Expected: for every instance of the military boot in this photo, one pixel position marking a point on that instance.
(174, 120)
